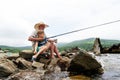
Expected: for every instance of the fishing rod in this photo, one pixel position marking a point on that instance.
(85, 28)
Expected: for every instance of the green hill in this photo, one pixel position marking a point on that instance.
(87, 44)
(14, 49)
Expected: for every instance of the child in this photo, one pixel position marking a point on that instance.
(38, 44)
(43, 45)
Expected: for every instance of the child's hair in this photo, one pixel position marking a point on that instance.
(40, 32)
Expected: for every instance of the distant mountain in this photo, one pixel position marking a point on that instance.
(14, 49)
(11, 47)
(85, 44)
(88, 43)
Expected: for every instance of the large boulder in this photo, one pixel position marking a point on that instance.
(26, 54)
(84, 63)
(7, 67)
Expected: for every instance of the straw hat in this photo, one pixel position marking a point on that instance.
(38, 24)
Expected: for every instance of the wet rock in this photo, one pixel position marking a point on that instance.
(26, 75)
(26, 54)
(23, 64)
(84, 63)
(7, 67)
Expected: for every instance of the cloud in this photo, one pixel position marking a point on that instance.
(17, 19)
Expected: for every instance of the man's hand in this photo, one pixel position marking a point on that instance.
(55, 40)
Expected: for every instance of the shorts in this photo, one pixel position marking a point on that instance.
(38, 48)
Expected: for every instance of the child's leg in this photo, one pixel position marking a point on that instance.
(42, 49)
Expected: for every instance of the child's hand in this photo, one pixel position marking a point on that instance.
(35, 52)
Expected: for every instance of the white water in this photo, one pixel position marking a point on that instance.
(111, 65)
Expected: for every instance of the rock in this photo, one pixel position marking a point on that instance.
(26, 54)
(26, 75)
(52, 66)
(44, 61)
(63, 53)
(64, 63)
(97, 48)
(84, 63)
(70, 55)
(23, 64)
(7, 67)
(91, 53)
(37, 65)
(14, 57)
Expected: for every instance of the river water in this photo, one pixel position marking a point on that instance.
(111, 65)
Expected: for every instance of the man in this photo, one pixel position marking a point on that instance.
(48, 45)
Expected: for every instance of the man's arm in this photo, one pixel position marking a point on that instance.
(34, 39)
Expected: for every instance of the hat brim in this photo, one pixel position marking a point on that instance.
(37, 26)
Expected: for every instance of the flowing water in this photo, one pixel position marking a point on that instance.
(111, 65)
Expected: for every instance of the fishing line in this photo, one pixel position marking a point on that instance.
(85, 28)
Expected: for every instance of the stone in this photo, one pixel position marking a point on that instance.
(37, 65)
(23, 64)
(70, 55)
(64, 63)
(26, 54)
(97, 47)
(84, 63)
(14, 57)
(52, 66)
(26, 75)
(7, 67)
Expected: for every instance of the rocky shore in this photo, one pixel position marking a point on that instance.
(75, 62)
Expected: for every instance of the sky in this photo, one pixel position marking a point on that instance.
(18, 17)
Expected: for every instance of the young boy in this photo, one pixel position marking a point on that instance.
(40, 45)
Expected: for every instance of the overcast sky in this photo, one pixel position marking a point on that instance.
(18, 17)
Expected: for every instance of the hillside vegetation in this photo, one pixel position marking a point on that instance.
(86, 44)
